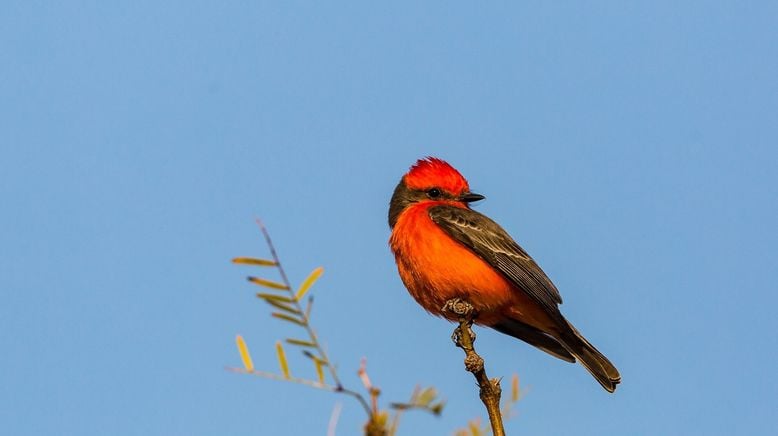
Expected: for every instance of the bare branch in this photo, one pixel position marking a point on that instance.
(463, 338)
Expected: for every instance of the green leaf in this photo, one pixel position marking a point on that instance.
(268, 283)
(244, 353)
(426, 396)
(253, 261)
(282, 306)
(286, 317)
(282, 360)
(319, 370)
(300, 343)
(274, 297)
(312, 277)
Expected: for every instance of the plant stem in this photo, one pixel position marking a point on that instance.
(463, 338)
(311, 333)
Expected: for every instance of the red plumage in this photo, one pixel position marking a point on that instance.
(445, 250)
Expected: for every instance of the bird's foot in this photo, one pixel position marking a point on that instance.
(459, 307)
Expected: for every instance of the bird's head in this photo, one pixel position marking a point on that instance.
(430, 180)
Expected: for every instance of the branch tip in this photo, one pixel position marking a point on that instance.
(464, 337)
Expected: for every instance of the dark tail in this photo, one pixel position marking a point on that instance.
(597, 364)
(533, 336)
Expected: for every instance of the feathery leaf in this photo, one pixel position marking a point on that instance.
(282, 360)
(268, 283)
(426, 396)
(244, 353)
(283, 306)
(274, 297)
(286, 317)
(253, 261)
(315, 274)
(300, 343)
(319, 370)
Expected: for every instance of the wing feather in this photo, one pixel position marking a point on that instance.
(491, 243)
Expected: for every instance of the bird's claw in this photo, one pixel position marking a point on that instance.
(458, 307)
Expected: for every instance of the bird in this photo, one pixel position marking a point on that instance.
(444, 250)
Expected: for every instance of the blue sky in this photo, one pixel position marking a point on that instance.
(630, 148)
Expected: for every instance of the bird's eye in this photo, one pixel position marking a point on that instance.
(433, 193)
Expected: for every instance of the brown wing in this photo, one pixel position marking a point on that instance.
(493, 244)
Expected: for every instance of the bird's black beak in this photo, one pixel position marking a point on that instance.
(469, 197)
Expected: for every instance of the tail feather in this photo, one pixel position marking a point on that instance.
(533, 336)
(594, 361)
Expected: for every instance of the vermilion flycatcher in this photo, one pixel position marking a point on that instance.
(444, 250)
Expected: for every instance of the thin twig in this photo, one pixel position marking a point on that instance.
(306, 324)
(464, 337)
(279, 377)
(301, 381)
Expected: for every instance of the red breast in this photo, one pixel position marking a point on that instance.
(435, 268)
